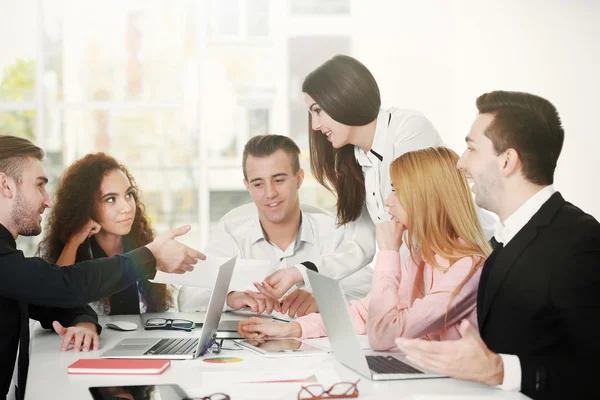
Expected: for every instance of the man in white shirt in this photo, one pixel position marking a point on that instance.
(280, 232)
(538, 303)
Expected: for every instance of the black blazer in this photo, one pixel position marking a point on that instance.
(541, 302)
(45, 287)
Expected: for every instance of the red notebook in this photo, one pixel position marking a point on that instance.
(118, 366)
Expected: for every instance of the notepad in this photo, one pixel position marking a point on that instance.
(118, 366)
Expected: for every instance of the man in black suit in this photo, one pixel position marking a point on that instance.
(539, 293)
(29, 286)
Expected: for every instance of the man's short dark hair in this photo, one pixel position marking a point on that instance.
(265, 145)
(529, 124)
(14, 151)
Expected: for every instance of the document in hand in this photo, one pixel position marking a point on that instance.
(205, 273)
(118, 366)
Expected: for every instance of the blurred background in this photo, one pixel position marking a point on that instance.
(174, 89)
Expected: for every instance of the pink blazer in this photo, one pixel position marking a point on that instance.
(408, 301)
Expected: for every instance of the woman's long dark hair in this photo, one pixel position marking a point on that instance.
(347, 91)
(77, 199)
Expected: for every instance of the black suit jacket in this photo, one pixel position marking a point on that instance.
(46, 287)
(541, 302)
(9, 330)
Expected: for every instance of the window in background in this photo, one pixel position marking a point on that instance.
(227, 23)
(119, 78)
(235, 20)
(172, 92)
(18, 78)
(117, 51)
(18, 81)
(257, 18)
(230, 192)
(238, 90)
(17, 58)
(316, 7)
(17, 123)
(257, 121)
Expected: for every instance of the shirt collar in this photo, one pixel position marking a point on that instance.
(7, 236)
(366, 159)
(256, 231)
(380, 138)
(504, 232)
(306, 233)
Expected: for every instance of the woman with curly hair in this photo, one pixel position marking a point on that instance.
(98, 213)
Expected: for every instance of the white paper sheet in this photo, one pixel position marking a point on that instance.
(262, 384)
(205, 273)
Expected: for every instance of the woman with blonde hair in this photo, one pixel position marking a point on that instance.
(436, 287)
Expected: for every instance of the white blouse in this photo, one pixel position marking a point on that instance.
(397, 131)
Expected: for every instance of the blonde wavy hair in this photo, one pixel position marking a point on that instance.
(441, 215)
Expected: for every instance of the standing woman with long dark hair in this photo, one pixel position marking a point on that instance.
(353, 141)
(98, 213)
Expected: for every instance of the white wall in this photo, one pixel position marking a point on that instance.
(437, 56)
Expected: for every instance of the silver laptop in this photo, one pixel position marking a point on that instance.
(344, 341)
(182, 348)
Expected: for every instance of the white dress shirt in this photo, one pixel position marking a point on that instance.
(504, 233)
(338, 252)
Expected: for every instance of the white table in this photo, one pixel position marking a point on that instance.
(48, 376)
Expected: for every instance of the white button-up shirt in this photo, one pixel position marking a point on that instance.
(397, 131)
(504, 233)
(338, 252)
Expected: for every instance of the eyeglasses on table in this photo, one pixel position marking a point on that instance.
(167, 323)
(214, 396)
(340, 390)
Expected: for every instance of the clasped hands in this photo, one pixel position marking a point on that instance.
(270, 295)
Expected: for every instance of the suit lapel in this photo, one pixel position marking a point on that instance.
(510, 253)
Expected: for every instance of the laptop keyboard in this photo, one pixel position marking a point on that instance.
(390, 365)
(174, 346)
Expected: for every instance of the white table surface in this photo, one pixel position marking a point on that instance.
(48, 377)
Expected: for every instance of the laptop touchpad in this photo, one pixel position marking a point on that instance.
(136, 344)
(132, 348)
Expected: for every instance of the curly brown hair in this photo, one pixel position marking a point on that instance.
(77, 199)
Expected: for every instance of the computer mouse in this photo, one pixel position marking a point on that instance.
(121, 325)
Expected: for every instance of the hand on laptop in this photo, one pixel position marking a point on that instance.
(83, 336)
(467, 358)
(259, 328)
(172, 256)
(299, 303)
(279, 282)
(257, 302)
